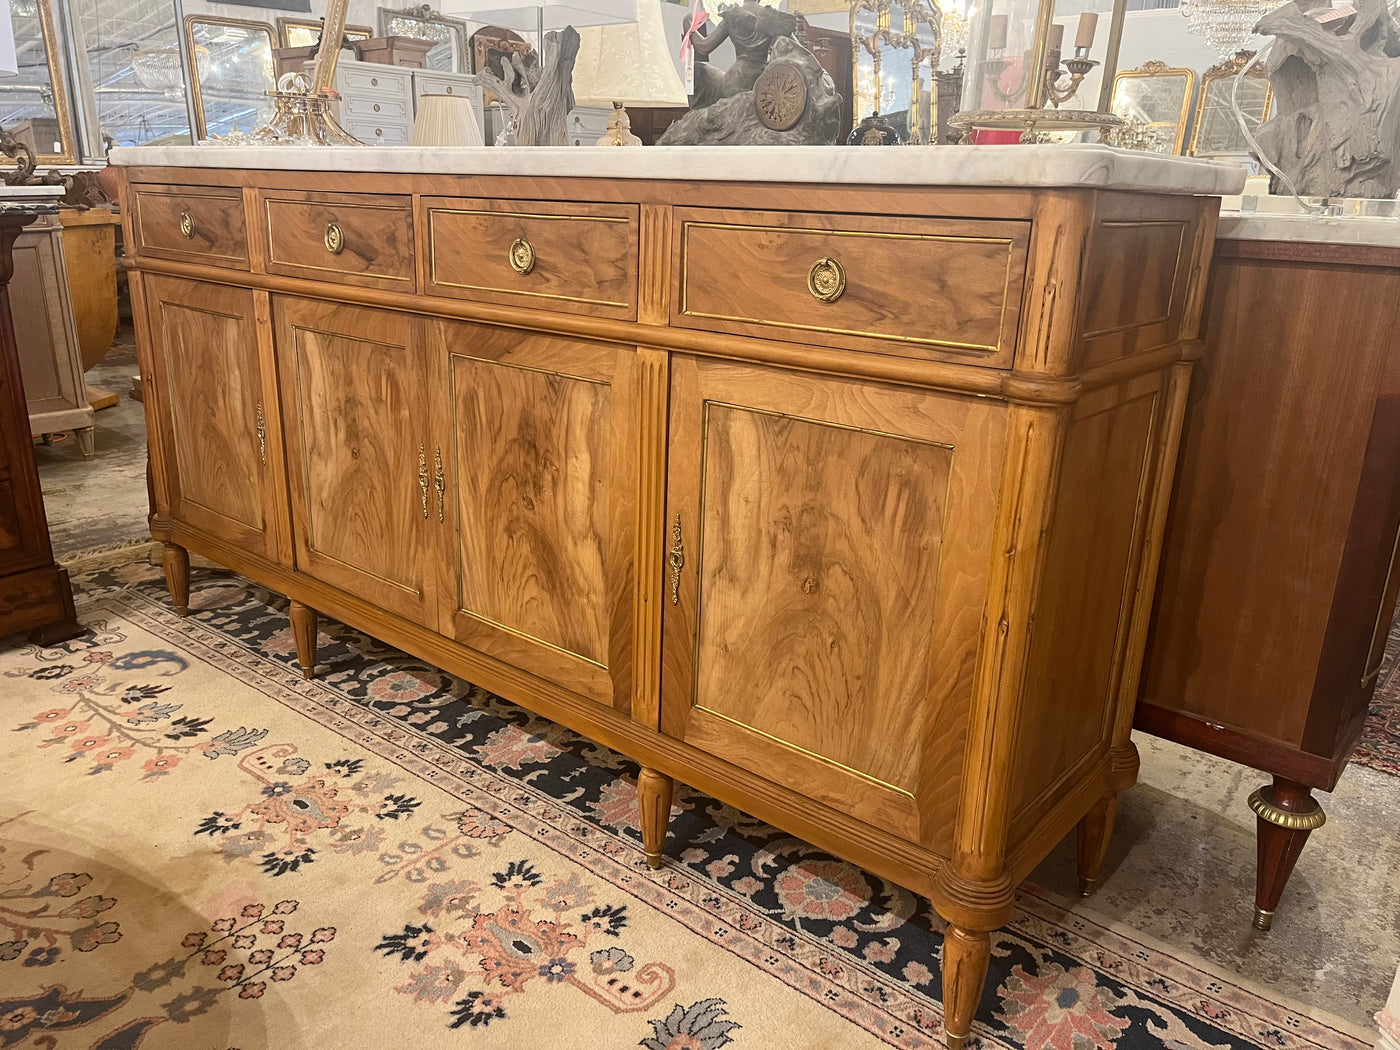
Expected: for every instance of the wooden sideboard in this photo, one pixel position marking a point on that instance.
(1279, 576)
(764, 490)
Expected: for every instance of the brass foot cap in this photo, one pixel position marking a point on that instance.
(954, 1042)
(655, 860)
(308, 673)
(182, 610)
(1263, 920)
(1087, 887)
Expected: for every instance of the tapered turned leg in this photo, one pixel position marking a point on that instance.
(966, 954)
(1287, 814)
(654, 804)
(304, 634)
(177, 576)
(1095, 831)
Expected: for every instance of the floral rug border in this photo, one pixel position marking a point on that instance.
(867, 997)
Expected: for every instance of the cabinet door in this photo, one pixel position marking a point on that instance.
(539, 447)
(215, 410)
(832, 538)
(354, 397)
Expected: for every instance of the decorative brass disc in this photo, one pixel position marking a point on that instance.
(522, 256)
(780, 96)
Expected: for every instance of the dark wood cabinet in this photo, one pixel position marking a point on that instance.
(34, 591)
(1278, 576)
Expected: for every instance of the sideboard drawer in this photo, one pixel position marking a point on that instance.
(940, 288)
(191, 223)
(355, 238)
(572, 257)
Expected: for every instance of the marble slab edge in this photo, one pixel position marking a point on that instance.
(1324, 229)
(1037, 167)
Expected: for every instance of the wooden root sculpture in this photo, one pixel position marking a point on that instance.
(1337, 133)
(538, 94)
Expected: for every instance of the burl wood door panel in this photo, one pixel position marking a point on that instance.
(211, 396)
(833, 541)
(539, 450)
(355, 397)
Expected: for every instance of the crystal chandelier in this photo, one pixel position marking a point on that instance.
(1226, 25)
(161, 70)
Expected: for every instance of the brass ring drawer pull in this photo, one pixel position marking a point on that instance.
(826, 280)
(335, 238)
(187, 225)
(522, 256)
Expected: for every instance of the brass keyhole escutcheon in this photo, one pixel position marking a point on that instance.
(335, 238)
(826, 280)
(187, 225)
(522, 256)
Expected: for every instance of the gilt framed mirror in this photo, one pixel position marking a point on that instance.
(234, 71)
(306, 32)
(1215, 131)
(35, 109)
(1158, 97)
(887, 38)
(423, 23)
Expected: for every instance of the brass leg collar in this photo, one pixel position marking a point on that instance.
(1262, 802)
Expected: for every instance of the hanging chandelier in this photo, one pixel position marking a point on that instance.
(1226, 25)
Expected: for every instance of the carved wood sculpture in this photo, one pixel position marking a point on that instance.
(539, 94)
(1337, 133)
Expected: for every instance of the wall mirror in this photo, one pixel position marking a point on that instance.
(306, 32)
(423, 23)
(1157, 96)
(894, 46)
(234, 73)
(34, 105)
(1216, 131)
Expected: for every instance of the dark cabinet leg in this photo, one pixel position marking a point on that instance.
(177, 576)
(304, 634)
(1287, 814)
(966, 955)
(654, 804)
(1095, 831)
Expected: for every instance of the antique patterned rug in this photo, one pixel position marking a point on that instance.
(1380, 740)
(198, 849)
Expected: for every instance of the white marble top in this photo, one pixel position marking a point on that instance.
(1328, 229)
(29, 194)
(986, 166)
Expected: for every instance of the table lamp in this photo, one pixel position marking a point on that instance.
(627, 65)
(543, 16)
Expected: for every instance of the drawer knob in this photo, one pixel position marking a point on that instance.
(376, 107)
(826, 280)
(187, 225)
(522, 256)
(335, 238)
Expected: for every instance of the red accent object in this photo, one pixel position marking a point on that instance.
(994, 137)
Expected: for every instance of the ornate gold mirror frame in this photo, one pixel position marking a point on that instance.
(305, 32)
(192, 47)
(1155, 70)
(426, 15)
(904, 37)
(1214, 105)
(58, 87)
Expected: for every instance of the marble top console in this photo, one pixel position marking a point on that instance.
(1090, 166)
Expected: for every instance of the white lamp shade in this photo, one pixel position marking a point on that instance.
(629, 63)
(529, 15)
(9, 66)
(446, 120)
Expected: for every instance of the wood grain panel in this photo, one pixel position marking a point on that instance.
(1278, 432)
(220, 236)
(1087, 591)
(585, 255)
(378, 237)
(539, 464)
(925, 287)
(354, 397)
(835, 550)
(210, 390)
